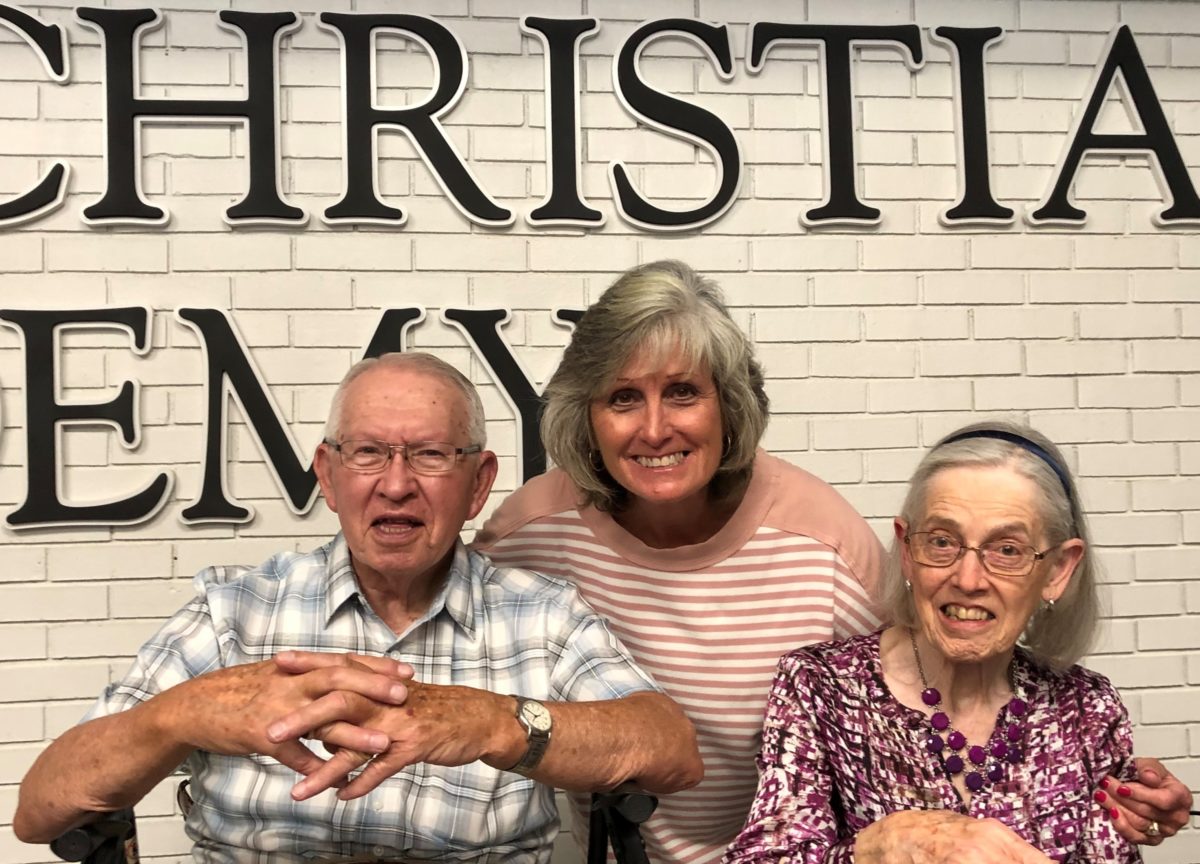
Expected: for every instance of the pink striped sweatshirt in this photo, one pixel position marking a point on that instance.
(794, 565)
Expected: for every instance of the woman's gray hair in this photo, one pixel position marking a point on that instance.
(417, 361)
(665, 308)
(1058, 637)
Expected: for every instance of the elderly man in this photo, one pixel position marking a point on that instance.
(311, 645)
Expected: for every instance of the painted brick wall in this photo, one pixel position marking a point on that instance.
(876, 341)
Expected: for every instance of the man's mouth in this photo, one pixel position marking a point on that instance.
(966, 613)
(396, 523)
(661, 461)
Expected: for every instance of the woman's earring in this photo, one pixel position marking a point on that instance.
(1049, 606)
(907, 586)
(728, 448)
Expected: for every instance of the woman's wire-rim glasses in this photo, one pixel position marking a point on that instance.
(368, 456)
(998, 557)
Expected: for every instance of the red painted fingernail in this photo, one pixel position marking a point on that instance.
(1104, 783)
(1100, 797)
(1114, 814)
(1124, 791)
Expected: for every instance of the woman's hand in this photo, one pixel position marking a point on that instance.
(1159, 798)
(941, 837)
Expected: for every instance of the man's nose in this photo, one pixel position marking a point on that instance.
(397, 478)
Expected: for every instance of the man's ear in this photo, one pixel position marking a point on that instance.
(323, 465)
(485, 476)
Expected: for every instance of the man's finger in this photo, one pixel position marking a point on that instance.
(330, 708)
(299, 758)
(332, 773)
(375, 773)
(354, 679)
(306, 661)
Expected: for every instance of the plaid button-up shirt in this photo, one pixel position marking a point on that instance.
(501, 629)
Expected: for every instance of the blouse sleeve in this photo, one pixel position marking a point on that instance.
(792, 817)
(1108, 749)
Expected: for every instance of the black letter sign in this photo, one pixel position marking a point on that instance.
(420, 122)
(230, 374)
(121, 31)
(49, 41)
(563, 204)
(678, 118)
(975, 205)
(45, 416)
(1123, 55)
(836, 42)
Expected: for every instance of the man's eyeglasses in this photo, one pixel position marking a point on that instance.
(423, 457)
(999, 557)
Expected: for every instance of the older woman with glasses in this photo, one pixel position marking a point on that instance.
(940, 738)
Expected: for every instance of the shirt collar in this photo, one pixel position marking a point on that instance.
(459, 597)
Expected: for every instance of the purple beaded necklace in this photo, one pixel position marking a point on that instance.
(1006, 748)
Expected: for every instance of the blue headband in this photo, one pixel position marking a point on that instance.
(1022, 442)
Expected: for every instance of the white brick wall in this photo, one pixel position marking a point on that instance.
(875, 340)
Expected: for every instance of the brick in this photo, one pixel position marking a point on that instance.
(1030, 252)
(603, 254)
(1182, 705)
(114, 253)
(23, 564)
(35, 682)
(1079, 288)
(1189, 458)
(292, 291)
(1193, 597)
(1146, 600)
(967, 358)
(1101, 495)
(1074, 427)
(1151, 286)
(1063, 16)
(806, 325)
(1141, 529)
(829, 396)
(100, 638)
(915, 253)
(1125, 322)
(231, 252)
(916, 323)
(805, 254)
(1166, 425)
(52, 602)
(1127, 391)
(1126, 460)
(1168, 564)
(895, 466)
(1023, 322)
(22, 641)
(902, 115)
(863, 359)
(900, 396)
(974, 287)
(864, 289)
(865, 433)
(76, 562)
(1115, 637)
(1131, 672)
(1172, 494)
(155, 599)
(1167, 355)
(782, 360)
(20, 723)
(358, 251)
(996, 394)
(1075, 358)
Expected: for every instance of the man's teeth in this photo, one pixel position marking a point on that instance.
(659, 461)
(963, 613)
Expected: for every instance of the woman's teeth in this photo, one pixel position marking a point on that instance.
(659, 461)
(963, 613)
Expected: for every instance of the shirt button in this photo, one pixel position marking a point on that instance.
(379, 851)
(377, 805)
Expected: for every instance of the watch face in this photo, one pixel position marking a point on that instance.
(536, 715)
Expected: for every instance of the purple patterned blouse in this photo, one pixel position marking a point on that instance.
(839, 752)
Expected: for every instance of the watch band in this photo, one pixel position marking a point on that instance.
(537, 722)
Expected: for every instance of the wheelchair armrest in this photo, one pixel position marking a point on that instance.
(110, 839)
